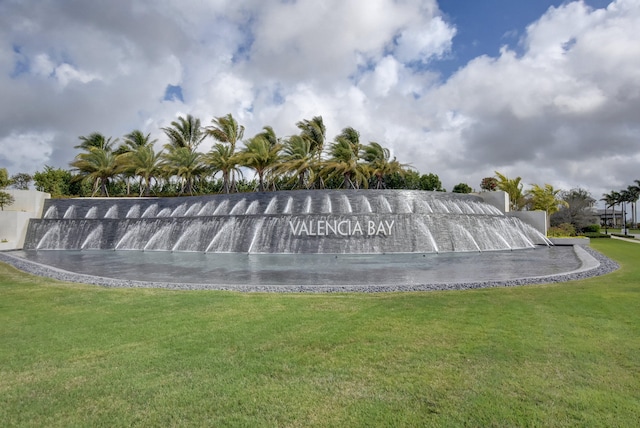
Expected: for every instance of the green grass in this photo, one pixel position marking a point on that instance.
(549, 355)
(618, 230)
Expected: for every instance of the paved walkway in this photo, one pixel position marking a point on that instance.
(633, 239)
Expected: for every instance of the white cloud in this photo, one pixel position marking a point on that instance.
(561, 107)
(567, 101)
(422, 43)
(22, 150)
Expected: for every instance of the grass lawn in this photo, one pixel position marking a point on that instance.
(618, 230)
(549, 355)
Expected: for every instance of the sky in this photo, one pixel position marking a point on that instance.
(540, 89)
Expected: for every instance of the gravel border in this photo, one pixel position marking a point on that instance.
(593, 264)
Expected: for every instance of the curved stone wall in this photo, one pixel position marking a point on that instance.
(311, 221)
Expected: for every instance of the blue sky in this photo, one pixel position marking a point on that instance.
(544, 90)
(483, 27)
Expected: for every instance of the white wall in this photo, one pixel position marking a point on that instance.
(536, 219)
(498, 199)
(15, 217)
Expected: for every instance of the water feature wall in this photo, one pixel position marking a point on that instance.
(315, 221)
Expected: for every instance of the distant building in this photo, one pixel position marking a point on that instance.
(610, 218)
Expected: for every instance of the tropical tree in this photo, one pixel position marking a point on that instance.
(185, 132)
(545, 199)
(55, 181)
(21, 181)
(6, 199)
(134, 140)
(259, 155)
(96, 166)
(431, 182)
(314, 132)
(270, 135)
(143, 162)
(489, 184)
(4, 178)
(578, 211)
(95, 140)
(132, 143)
(380, 164)
(221, 158)
(610, 200)
(462, 188)
(297, 161)
(344, 160)
(513, 188)
(633, 193)
(225, 129)
(186, 164)
(627, 196)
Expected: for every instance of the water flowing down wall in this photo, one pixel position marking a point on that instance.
(314, 221)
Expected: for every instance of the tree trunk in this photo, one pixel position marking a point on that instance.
(260, 182)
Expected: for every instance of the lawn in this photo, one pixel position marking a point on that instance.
(549, 355)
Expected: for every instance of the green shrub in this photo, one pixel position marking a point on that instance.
(564, 229)
(595, 235)
(592, 228)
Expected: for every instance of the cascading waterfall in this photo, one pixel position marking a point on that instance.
(271, 208)
(52, 212)
(289, 206)
(150, 211)
(307, 205)
(93, 239)
(165, 212)
(208, 208)
(305, 221)
(112, 212)
(221, 208)
(193, 210)
(70, 212)
(92, 213)
(253, 208)
(179, 211)
(239, 208)
(134, 211)
(366, 205)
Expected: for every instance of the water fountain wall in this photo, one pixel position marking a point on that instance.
(319, 221)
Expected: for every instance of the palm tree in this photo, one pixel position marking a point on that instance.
(225, 129)
(98, 166)
(634, 191)
(546, 199)
(222, 159)
(314, 132)
(513, 187)
(95, 140)
(270, 135)
(132, 142)
(627, 197)
(259, 155)
(380, 165)
(185, 164)
(610, 200)
(145, 163)
(298, 160)
(617, 199)
(185, 132)
(344, 160)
